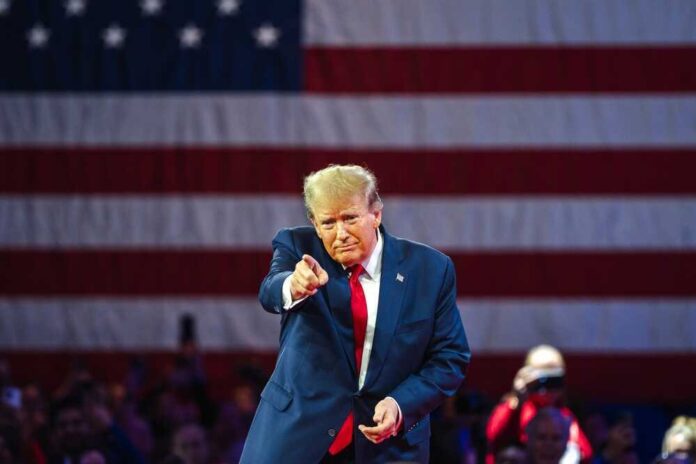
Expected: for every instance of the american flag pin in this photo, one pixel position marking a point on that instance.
(399, 277)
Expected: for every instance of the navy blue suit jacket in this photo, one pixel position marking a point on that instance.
(419, 355)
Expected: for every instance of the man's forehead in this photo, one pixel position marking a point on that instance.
(333, 207)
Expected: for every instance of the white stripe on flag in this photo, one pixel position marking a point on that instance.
(403, 122)
(607, 326)
(124, 324)
(448, 223)
(499, 22)
(493, 326)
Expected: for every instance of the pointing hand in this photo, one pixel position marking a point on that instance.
(307, 278)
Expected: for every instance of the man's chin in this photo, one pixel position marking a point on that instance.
(347, 259)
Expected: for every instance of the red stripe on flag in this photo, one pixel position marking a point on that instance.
(431, 172)
(558, 274)
(224, 272)
(500, 69)
(490, 373)
(124, 273)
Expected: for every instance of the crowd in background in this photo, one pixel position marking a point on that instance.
(175, 420)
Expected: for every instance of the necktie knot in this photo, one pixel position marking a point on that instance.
(355, 272)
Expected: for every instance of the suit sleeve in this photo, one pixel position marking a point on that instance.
(282, 265)
(446, 361)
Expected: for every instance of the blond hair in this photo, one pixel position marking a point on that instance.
(544, 356)
(341, 181)
(683, 430)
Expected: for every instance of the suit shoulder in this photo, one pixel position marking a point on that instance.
(421, 250)
(302, 239)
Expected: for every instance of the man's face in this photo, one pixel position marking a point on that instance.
(548, 445)
(348, 228)
(190, 445)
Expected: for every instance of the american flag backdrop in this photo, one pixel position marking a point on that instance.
(149, 151)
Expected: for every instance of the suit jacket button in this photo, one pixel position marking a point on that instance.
(332, 432)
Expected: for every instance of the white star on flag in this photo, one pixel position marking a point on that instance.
(190, 36)
(75, 7)
(267, 35)
(151, 7)
(38, 36)
(227, 7)
(4, 6)
(114, 36)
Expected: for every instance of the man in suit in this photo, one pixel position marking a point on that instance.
(371, 339)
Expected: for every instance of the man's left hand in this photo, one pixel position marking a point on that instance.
(387, 419)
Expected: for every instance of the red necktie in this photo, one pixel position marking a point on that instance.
(358, 306)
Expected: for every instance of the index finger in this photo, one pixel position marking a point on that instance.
(311, 262)
(316, 268)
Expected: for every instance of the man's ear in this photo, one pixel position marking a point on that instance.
(310, 216)
(316, 226)
(378, 218)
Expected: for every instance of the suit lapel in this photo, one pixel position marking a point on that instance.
(337, 293)
(392, 288)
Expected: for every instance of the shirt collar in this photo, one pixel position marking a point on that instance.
(373, 264)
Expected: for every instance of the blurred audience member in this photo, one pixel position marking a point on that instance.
(673, 458)
(70, 431)
(511, 455)
(679, 444)
(10, 443)
(613, 442)
(81, 423)
(458, 429)
(125, 412)
(34, 419)
(181, 399)
(93, 456)
(77, 379)
(539, 383)
(233, 422)
(190, 444)
(547, 436)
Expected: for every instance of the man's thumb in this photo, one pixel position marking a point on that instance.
(323, 276)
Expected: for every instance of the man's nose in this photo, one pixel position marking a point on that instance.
(341, 231)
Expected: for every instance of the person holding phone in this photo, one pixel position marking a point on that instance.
(540, 383)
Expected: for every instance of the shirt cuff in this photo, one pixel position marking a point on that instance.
(287, 295)
(400, 418)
